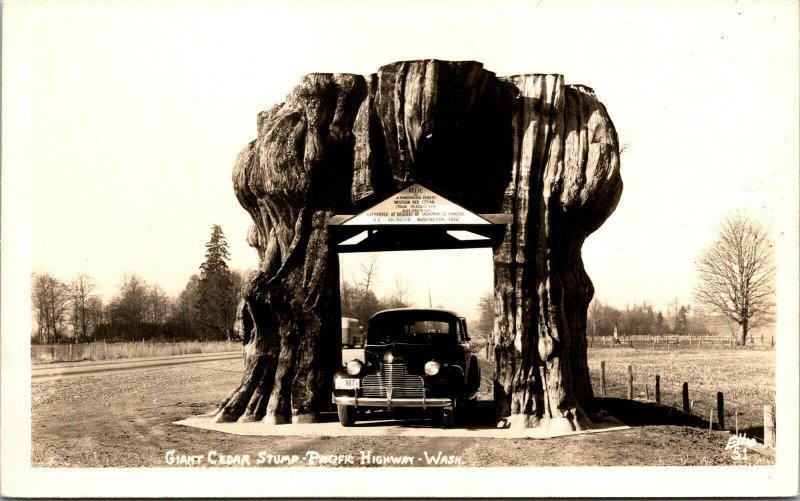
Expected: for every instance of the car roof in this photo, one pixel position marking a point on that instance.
(412, 312)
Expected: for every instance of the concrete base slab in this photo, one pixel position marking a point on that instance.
(390, 428)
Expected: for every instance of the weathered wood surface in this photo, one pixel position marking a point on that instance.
(526, 145)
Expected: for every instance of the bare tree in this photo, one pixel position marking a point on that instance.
(158, 304)
(595, 310)
(128, 310)
(185, 317)
(736, 275)
(50, 301)
(350, 298)
(399, 297)
(369, 271)
(81, 297)
(94, 315)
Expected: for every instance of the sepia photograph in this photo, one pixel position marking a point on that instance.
(400, 249)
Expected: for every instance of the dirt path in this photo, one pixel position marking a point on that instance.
(69, 369)
(125, 419)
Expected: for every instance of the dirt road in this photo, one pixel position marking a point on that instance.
(70, 369)
(126, 419)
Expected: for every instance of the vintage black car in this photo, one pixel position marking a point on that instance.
(419, 358)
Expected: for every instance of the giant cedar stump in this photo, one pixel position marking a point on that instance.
(527, 145)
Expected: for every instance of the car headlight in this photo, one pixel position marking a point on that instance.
(353, 367)
(432, 368)
(388, 357)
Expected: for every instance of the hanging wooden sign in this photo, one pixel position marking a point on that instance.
(416, 205)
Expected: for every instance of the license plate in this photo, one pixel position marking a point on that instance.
(347, 384)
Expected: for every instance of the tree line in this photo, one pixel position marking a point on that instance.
(637, 319)
(205, 309)
(735, 286)
(642, 319)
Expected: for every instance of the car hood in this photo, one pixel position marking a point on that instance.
(415, 355)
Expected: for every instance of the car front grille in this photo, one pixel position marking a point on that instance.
(394, 379)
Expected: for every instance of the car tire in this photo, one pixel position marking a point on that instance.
(347, 415)
(468, 407)
(474, 383)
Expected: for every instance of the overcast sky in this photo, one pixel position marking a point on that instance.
(126, 117)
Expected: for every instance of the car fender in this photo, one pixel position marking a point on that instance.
(473, 380)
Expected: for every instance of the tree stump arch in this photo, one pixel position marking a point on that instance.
(527, 145)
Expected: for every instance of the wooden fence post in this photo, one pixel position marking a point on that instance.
(710, 420)
(630, 382)
(603, 376)
(769, 426)
(686, 408)
(658, 389)
(721, 410)
(646, 392)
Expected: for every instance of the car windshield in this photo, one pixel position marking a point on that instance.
(411, 330)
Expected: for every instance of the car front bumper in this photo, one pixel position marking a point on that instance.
(390, 403)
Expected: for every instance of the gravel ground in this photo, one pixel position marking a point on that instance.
(125, 420)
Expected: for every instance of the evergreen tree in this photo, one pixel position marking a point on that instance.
(217, 298)
(682, 320)
(659, 323)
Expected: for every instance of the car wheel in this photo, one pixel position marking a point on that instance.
(474, 383)
(467, 408)
(347, 415)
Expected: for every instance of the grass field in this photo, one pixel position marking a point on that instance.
(114, 351)
(746, 378)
